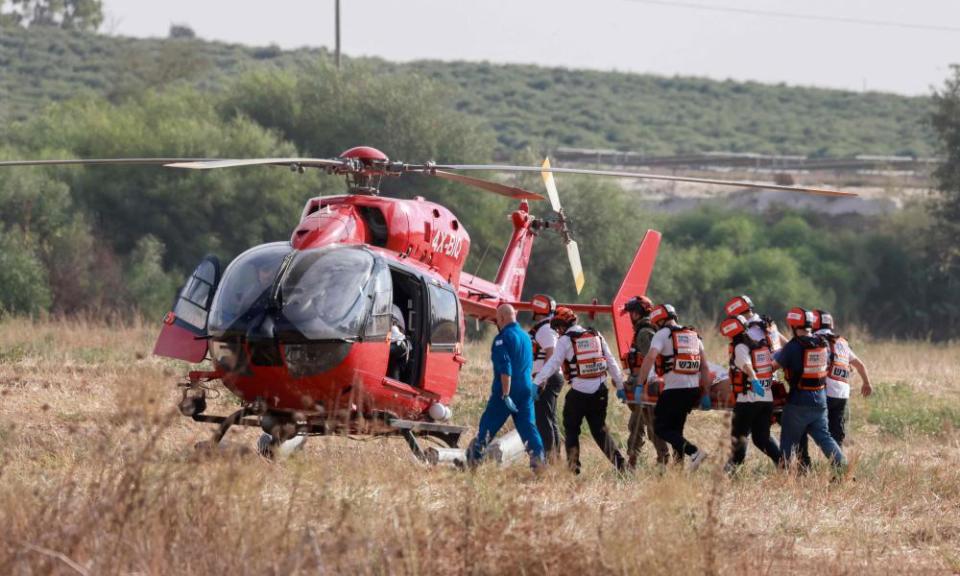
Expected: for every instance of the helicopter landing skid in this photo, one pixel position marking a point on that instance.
(410, 430)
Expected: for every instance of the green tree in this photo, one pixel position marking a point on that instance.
(23, 282)
(83, 15)
(946, 122)
(149, 288)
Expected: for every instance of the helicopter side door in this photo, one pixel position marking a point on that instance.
(184, 331)
(444, 360)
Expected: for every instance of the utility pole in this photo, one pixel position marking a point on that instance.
(337, 8)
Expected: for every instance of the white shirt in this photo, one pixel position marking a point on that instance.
(546, 338)
(396, 335)
(663, 343)
(741, 359)
(564, 351)
(836, 388)
(757, 332)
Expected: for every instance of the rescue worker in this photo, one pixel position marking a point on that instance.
(544, 339)
(805, 360)
(751, 377)
(677, 354)
(587, 362)
(512, 390)
(743, 306)
(842, 358)
(639, 400)
(399, 344)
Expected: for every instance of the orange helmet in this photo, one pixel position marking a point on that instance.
(734, 326)
(738, 305)
(639, 304)
(662, 313)
(543, 304)
(563, 317)
(822, 320)
(800, 318)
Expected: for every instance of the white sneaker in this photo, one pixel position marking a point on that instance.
(697, 459)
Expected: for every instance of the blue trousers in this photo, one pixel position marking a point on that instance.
(800, 420)
(495, 416)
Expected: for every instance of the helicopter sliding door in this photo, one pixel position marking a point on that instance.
(444, 344)
(184, 331)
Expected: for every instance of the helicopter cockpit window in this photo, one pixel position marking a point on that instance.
(325, 293)
(194, 299)
(246, 282)
(444, 325)
(378, 324)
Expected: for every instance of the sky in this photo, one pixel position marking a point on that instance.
(887, 45)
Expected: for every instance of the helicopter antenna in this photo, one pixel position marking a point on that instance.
(482, 258)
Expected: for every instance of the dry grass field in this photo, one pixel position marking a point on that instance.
(98, 476)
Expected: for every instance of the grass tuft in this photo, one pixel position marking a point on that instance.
(899, 410)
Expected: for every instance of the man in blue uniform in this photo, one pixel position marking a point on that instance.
(512, 390)
(805, 361)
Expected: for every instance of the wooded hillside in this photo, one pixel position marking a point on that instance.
(525, 105)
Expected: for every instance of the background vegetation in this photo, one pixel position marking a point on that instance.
(526, 106)
(103, 239)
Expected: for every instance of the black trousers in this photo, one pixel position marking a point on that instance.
(838, 414)
(545, 410)
(670, 417)
(592, 407)
(752, 419)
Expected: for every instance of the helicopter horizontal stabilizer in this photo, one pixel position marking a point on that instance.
(635, 283)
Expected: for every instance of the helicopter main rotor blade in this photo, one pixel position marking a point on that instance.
(645, 176)
(101, 162)
(237, 162)
(488, 185)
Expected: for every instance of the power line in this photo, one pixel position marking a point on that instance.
(796, 16)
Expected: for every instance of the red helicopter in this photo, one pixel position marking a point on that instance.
(356, 324)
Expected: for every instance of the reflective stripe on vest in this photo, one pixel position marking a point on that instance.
(839, 360)
(538, 352)
(588, 359)
(816, 364)
(686, 353)
(760, 357)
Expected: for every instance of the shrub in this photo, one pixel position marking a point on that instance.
(23, 279)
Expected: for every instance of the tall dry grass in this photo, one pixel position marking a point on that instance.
(98, 476)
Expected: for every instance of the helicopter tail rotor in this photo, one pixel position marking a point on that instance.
(573, 251)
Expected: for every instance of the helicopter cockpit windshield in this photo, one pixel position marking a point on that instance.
(324, 292)
(317, 294)
(245, 287)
